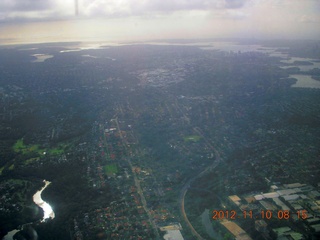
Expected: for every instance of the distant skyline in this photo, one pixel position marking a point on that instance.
(133, 20)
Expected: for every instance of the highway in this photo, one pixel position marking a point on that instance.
(183, 190)
(189, 182)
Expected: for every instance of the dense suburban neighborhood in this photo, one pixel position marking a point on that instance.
(150, 141)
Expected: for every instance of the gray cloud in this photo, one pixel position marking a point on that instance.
(234, 3)
(153, 18)
(25, 5)
(309, 19)
(180, 5)
(16, 11)
(19, 9)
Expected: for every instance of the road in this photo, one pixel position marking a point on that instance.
(184, 192)
(137, 183)
(189, 182)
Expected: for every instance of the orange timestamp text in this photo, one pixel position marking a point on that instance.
(263, 214)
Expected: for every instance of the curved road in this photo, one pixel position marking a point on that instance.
(185, 189)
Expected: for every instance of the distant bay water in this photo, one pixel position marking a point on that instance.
(304, 80)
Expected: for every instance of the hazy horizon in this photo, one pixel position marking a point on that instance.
(114, 21)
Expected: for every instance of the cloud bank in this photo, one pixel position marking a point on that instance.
(11, 10)
(163, 18)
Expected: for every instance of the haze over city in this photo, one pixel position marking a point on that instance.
(159, 119)
(112, 20)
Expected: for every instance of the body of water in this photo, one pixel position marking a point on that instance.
(305, 81)
(47, 211)
(41, 57)
(314, 63)
(206, 222)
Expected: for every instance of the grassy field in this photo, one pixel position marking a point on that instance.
(56, 151)
(36, 151)
(20, 147)
(110, 169)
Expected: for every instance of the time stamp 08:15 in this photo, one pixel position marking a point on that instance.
(264, 214)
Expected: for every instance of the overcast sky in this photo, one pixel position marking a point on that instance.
(120, 20)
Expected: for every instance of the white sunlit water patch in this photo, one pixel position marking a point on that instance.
(47, 209)
(41, 57)
(305, 81)
(47, 212)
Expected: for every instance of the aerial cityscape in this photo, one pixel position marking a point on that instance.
(150, 141)
(157, 120)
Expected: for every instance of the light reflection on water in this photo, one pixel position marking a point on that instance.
(10, 235)
(41, 57)
(314, 63)
(305, 81)
(47, 210)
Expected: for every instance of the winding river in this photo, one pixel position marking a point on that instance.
(47, 211)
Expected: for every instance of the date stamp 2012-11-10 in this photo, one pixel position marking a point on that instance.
(263, 214)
